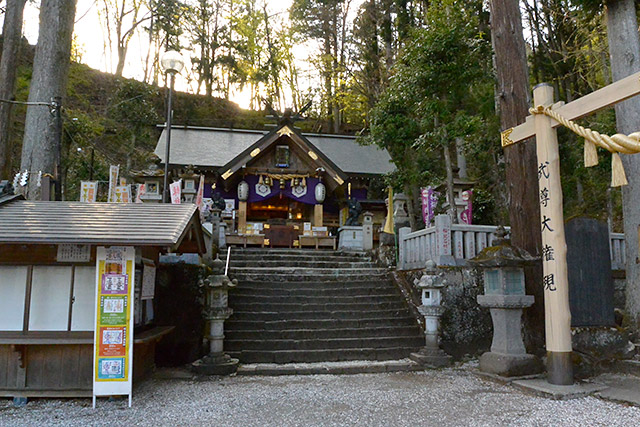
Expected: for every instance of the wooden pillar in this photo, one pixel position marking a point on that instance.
(242, 217)
(317, 215)
(554, 246)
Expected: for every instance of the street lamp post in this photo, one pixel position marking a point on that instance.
(172, 63)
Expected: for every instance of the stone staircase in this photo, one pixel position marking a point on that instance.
(297, 306)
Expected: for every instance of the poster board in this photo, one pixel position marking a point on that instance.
(113, 334)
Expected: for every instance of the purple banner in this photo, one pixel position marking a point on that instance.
(429, 199)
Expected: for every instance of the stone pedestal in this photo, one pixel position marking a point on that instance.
(351, 238)
(431, 354)
(508, 356)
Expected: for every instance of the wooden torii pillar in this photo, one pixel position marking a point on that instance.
(554, 247)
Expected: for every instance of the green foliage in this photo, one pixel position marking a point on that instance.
(441, 89)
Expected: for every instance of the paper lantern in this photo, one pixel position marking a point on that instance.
(243, 191)
(320, 192)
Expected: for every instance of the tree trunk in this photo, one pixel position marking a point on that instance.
(453, 210)
(624, 50)
(521, 163)
(12, 32)
(40, 146)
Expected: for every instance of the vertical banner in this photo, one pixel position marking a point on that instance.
(88, 191)
(200, 193)
(141, 190)
(123, 194)
(175, 189)
(467, 214)
(429, 199)
(113, 334)
(113, 182)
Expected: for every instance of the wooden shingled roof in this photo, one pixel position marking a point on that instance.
(131, 224)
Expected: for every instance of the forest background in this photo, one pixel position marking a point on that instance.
(415, 77)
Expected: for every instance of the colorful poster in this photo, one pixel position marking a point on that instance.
(113, 336)
(175, 189)
(113, 182)
(88, 191)
(112, 341)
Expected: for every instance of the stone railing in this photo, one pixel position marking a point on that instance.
(453, 244)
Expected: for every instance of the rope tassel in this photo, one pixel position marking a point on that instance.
(618, 177)
(590, 154)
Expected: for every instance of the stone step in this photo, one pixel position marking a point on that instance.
(382, 282)
(300, 263)
(330, 368)
(324, 314)
(317, 291)
(238, 299)
(324, 344)
(308, 274)
(331, 355)
(239, 324)
(330, 307)
(323, 334)
(292, 258)
(295, 251)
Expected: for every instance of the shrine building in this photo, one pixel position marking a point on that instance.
(283, 178)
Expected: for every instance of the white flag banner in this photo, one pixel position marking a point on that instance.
(200, 193)
(123, 194)
(140, 191)
(88, 191)
(176, 192)
(113, 182)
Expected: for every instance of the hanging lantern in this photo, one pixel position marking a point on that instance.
(243, 191)
(320, 192)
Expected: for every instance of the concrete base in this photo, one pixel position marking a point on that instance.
(560, 392)
(510, 365)
(431, 357)
(215, 365)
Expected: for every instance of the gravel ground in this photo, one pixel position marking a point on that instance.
(442, 398)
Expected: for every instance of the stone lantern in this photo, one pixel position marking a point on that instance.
(216, 311)
(505, 297)
(431, 284)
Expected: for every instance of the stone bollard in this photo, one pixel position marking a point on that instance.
(431, 284)
(216, 312)
(505, 297)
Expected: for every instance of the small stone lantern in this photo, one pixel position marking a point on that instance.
(431, 284)
(216, 311)
(505, 297)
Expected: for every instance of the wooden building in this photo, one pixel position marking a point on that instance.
(279, 179)
(48, 285)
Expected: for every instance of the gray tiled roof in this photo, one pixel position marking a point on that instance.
(134, 224)
(208, 147)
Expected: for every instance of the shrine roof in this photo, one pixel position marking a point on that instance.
(130, 224)
(214, 147)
